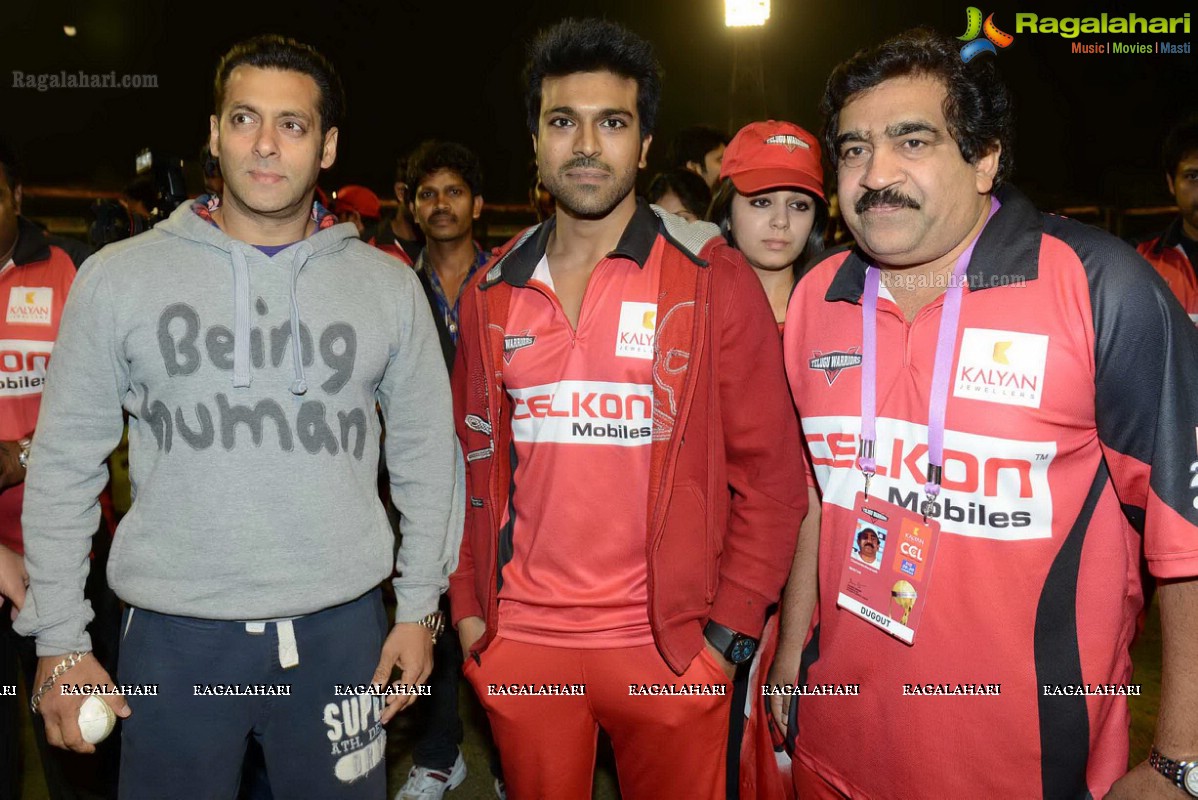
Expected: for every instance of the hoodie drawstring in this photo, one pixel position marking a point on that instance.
(241, 319)
(300, 385)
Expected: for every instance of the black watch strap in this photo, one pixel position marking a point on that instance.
(731, 644)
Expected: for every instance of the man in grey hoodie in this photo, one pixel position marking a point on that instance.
(249, 338)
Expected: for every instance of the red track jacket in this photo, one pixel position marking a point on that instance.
(727, 491)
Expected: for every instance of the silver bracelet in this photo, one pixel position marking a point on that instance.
(62, 666)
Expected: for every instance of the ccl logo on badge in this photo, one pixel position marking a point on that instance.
(30, 305)
(638, 325)
(913, 543)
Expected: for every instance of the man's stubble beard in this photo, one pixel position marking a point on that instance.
(589, 202)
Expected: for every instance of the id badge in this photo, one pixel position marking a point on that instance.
(888, 566)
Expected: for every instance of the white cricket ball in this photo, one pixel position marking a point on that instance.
(96, 720)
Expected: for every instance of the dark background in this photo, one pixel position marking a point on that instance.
(1089, 126)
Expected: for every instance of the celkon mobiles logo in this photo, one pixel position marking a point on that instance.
(975, 27)
(23, 365)
(992, 488)
(583, 412)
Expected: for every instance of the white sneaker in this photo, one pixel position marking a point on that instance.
(432, 784)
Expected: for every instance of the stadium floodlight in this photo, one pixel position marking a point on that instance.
(746, 13)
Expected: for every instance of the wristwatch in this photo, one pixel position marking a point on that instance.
(735, 647)
(23, 453)
(1183, 774)
(435, 622)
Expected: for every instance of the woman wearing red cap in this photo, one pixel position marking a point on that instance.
(770, 204)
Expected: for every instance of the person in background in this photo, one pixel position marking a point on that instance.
(358, 205)
(36, 273)
(680, 192)
(699, 149)
(539, 199)
(447, 198)
(400, 235)
(770, 204)
(210, 168)
(1174, 252)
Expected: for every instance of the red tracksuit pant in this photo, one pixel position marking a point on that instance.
(666, 745)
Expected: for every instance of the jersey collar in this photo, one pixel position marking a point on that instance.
(1172, 235)
(1007, 252)
(635, 244)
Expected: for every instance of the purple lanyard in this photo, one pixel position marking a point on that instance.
(945, 349)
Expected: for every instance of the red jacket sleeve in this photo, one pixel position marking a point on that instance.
(763, 451)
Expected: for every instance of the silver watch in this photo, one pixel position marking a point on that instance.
(1183, 774)
(435, 622)
(23, 453)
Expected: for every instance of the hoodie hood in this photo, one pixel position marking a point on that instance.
(193, 221)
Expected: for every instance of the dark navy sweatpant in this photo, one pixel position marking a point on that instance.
(322, 741)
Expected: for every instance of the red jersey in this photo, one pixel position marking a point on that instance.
(1168, 258)
(582, 416)
(33, 288)
(1070, 441)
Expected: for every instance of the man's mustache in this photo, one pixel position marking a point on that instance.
(883, 197)
(584, 162)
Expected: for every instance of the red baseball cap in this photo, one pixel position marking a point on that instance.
(356, 198)
(774, 155)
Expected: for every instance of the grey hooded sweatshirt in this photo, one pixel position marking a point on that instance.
(253, 452)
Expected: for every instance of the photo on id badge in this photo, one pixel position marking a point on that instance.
(869, 544)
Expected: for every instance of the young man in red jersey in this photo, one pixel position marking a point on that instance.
(620, 398)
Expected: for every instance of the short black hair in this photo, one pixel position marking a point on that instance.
(692, 190)
(281, 53)
(10, 162)
(433, 155)
(593, 45)
(721, 214)
(978, 105)
(1182, 139)
(694, 143)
